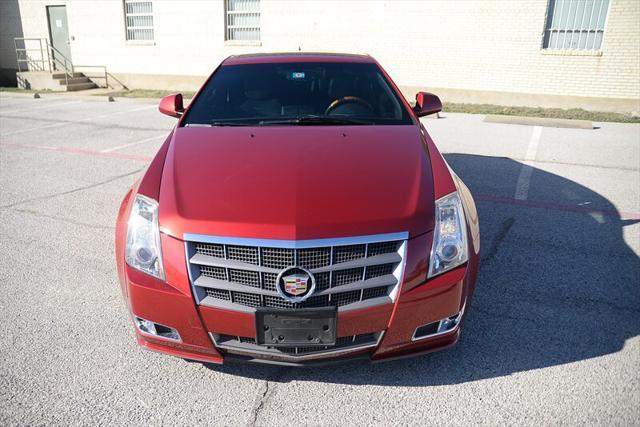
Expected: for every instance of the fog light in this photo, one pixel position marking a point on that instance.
(448, 324)
(151, 328)
(439, 327)
(146, 326)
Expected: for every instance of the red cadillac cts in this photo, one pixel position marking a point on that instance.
(298, 213)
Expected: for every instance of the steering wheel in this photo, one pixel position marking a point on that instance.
(347, 100)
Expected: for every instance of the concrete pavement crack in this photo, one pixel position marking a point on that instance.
(75, 190)
(264, 394)
(495, 244)
(67, 220)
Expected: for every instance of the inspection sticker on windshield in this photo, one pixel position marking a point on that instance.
(297, 75)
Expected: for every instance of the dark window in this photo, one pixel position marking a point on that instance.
(298, 93)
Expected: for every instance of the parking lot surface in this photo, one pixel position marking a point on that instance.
(552, 336)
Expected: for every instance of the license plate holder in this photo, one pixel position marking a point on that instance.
(296, 327)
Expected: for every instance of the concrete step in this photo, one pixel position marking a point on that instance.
(73, 80)
(80, 86)
(53, 81)
(60, 75)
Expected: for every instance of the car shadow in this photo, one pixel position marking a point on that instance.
(557, 285)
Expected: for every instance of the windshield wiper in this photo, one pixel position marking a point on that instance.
(315, 120)
(212, 124)
(231, 124)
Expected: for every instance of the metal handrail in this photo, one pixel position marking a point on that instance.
(27, 58)
(54, 59)
(66, 63)
(104, 73)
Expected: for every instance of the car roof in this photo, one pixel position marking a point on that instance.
(265, 58)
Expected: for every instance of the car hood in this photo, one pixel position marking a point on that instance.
(296, 182)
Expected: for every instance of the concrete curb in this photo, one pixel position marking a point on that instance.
(71, 95)
(83, 96)
(539, 121)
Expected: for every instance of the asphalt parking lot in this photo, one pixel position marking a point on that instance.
(552, 336)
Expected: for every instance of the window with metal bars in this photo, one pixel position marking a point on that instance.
(575, 24)
(243, 20)
(138, 20)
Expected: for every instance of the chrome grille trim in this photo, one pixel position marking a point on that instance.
(389, 258)
(295, 244)
(354, 272)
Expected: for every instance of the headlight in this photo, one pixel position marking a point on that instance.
(449, 248)
(143, 237)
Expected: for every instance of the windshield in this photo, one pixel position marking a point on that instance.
(298, 93)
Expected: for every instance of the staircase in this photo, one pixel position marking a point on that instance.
(42, 66)
(77, 81)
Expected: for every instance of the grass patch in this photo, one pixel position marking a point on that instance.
(554, 113)
(19, 90)
(147, 93)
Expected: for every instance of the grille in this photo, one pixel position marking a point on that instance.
(322, 281)
(374, 292)
(346, 298)
(344, 277)
(379, 270)
(277, 302)
(314, 258)
(349, 253)
(219, 294)
(246, 275)
(313, 301)
(236, 342)
(216, 251)
(269, 281)
(214, 272)
(244, 298)
(243, 254)
(277, 257)
(249, 278)
(382, 248)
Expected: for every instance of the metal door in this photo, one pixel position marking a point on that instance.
(59, 35)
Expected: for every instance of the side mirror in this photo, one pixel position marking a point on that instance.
(172, 105)
(427, 103)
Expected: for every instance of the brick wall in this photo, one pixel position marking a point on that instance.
(482, 45)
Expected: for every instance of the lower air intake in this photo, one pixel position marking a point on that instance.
(246, 345)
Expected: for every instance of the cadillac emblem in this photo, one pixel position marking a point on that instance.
(295, 284)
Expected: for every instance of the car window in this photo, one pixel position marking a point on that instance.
(298, 93)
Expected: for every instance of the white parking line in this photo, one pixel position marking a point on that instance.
(524, 179)
(41, 107)
(131, 144)
(52, 125)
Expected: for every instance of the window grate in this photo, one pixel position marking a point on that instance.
(575, 24)
(138, 19)
(243, 20)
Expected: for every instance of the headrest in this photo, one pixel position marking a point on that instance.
(257, 89)
(341, 87)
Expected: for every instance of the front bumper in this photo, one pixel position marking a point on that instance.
(390, 327)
